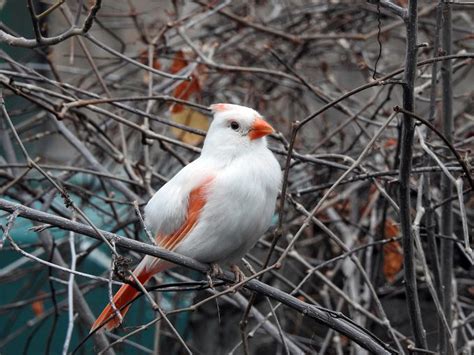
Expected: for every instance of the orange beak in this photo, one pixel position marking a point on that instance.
(260, 128)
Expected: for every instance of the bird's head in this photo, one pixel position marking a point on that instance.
(236, 129)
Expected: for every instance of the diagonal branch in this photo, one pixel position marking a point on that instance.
(394, 8)
(331, 319)
(18, 41)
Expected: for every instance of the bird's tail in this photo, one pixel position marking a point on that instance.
(108, 318)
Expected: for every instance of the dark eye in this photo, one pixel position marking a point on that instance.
(234, 125)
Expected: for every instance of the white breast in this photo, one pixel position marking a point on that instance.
(239, 208)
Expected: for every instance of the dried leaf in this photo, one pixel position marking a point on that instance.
(392, 252)
(470, 290)
(143, 58)
(184, 91)
(186, 88)
(179, 62)
(38, 307)
(191, 119)
(390, 142)
(182, 114)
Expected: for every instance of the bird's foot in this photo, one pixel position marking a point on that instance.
(214, 271)
(238, 274)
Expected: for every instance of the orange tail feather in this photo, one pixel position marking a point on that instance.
(125, 294)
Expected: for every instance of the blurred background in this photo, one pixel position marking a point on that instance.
(112, 113)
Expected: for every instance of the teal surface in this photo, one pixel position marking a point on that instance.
(22, 328)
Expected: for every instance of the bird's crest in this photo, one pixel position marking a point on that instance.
(220, 107)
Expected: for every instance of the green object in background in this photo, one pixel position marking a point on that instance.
(12, 16)
(29, 328)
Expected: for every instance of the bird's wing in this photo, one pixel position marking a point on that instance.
(174, 209)
(171, 214)
(196, 201)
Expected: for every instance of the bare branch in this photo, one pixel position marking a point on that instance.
(329, 318)
(49, 41)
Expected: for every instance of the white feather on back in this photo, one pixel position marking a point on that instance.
(240, 199)
(239, 209)
(166, 210)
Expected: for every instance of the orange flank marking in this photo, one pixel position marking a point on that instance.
(196, 201)
(127, 293)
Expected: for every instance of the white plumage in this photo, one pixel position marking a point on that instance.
(240, 199)
(215, 208)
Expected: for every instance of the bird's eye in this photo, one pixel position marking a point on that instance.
(234, 125)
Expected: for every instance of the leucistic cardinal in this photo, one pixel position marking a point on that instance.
(214, 209)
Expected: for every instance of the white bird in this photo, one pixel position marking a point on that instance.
(215, 209)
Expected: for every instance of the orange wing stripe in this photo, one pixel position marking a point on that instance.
(196, 201)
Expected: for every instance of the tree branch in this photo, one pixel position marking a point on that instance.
(40, 41)
(406, 154)
(394, 8)
(331, 319)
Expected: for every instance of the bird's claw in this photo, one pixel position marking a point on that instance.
(214, 271)
(239, 276)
